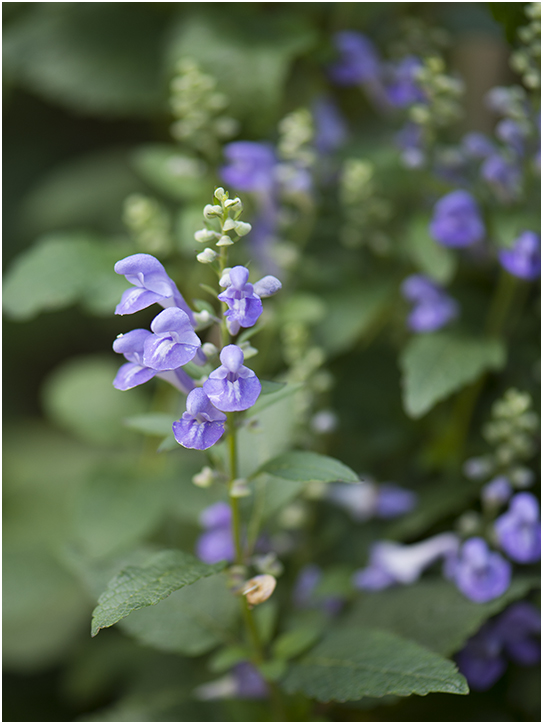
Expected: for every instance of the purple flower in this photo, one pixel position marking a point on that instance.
(457, 221)
(482, 661)
(151, 284)
(251, 166)
(403, 88)
(519, 530)
(518, 627)
(305, 595)
(202, 425)
(136, 372)
(433, 308)
(173, 342)
(497, 491)
(217, 543)
(392, 501)
(512, 633)
(480, 574)
(249, 682)
(244, 306)
(232, 387)
(512, 134)
(330, 127)
(477, 145)
(524, 259)
(218, 515)
(392, 563)
(503, 176)
(358, 60)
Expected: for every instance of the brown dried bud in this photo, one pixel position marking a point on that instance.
(259, 589)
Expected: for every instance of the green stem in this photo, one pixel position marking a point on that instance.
(501, 303)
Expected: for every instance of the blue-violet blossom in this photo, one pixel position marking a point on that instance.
(232, 387)
(497, 491)
(358, 60)
(503, 175)
(173, 342)
(217, 543)
(524, 259)
(242, 298)
(519, 529)
(457, 221)
(433, 307)
(151, 284)
(480, 574)
(202, 425)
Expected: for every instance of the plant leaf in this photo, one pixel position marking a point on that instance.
(158, 424)
(307, 467)
(355, 662)
(432, 613)
(140, 586)
(436, 365)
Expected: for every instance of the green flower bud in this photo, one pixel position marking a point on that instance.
(242, 228)
(225, 241)
(211, 212)
(207, 256)
(205, 235)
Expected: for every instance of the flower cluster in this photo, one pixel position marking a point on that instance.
(172, 342)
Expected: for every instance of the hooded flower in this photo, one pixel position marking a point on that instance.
(173, 342)
(524, 259)
(232, 387)
(519, 529)
(480, 574)
(457, 221)
(202, 425)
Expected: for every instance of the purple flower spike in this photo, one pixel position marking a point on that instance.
(457, 220)
(174, 342)
(232, 387)
(202, 425)
(480, 574)
(392, 563)
(358, 61)
(519, 531)
(524, 259)
(244, 305)
(481, 660)
(251, 166)
(151, 284)
(503, 176)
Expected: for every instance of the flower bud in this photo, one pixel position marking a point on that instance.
(259, 589)
(211, 211)
(239, 488)
(207, 256)
(242, 228)
(209, 349)
(220, 194)
(205, 235)
(205, 478)
(225, 241)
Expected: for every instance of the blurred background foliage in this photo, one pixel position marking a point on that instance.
(86, 123)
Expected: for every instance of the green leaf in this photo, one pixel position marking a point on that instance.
(293, 643)
(176, 174)
(355, 662)
(227, 657)
(269, 388)
(430, 258)
(190, 621)
(432, 613)
(352, 312)
(100, 59)
(140, 586)
(157, 424)
(273, 396)
(80, 397)
(61, 269)
(307, 467)
(436, 365)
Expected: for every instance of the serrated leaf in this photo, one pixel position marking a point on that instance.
(436, 365)
(356, 662)
(308, 467)
(153, 423)
(140, 586)
(432, 613)
(293, 643)
(191, 621)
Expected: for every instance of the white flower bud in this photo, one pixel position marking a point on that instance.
(224, 281)
(205, 478)
(209, 349)
(242, 228)
(225, 241)
(202, 317)
(211, 211)
(205, 235)
(220, 194)
(259, 589)
(234, 203)
(239, 488)
(207, 256)
(229, 224)
(267, 286)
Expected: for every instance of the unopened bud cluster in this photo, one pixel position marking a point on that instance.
(442, 93)
(198, 107)
(526, 61)
(223, 226)
(296, 134)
